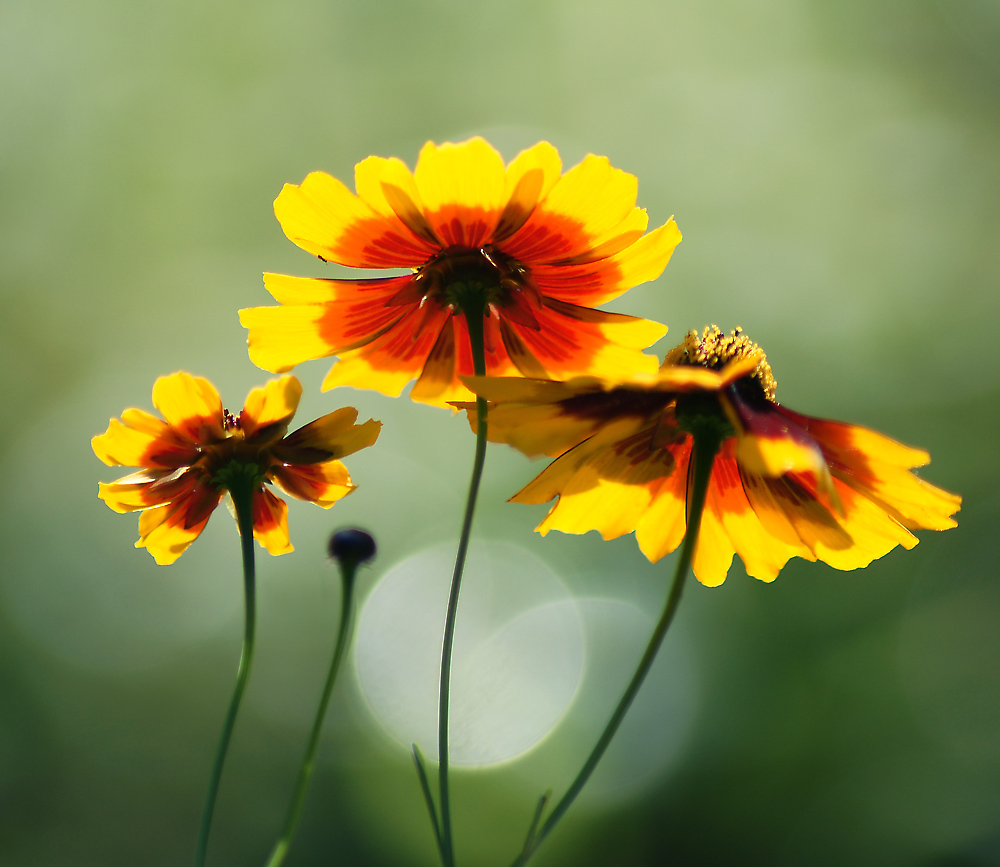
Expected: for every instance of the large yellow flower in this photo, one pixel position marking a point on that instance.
(188, 455)
(533, 249)
(783, 484)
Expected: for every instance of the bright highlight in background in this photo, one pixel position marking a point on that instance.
(518, 660)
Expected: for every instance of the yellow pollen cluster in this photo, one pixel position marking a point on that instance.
(715, 350)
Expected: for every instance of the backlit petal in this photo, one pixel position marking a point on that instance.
(576, 340)
(529, 178)
(322, 484)
(661, 528)
(271, 408)
(148, 446)
(326, 219)
(335, 436)
(462, 190)
(594, 283)
(585, 205)
(270, 522)
(392, 359)
(190, 405)
(164, 530)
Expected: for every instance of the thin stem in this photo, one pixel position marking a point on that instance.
(425, 787)
(242, 495)
(702, 458)
(309, 760)
(475, 323)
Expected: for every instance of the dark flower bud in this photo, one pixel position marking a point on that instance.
(351, 547)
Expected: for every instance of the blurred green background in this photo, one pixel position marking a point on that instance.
(835, 170)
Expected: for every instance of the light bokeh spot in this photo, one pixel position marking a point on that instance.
(518, 652)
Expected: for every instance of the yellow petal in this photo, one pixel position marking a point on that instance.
(324, 218)
(661, 527)
(270, 523)
(873, 533)
(272, 405)
(529, 178)
(713, 553)
(162, 532)
(121, 445)
(335, 434)
(282, 337)
(190, 405)
(322, 484)
(586, 204)
(462, 190)
(623, 235)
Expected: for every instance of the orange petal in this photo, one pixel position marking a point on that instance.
(713, 553)
(282, 337)
(529, 178)
(311, 290)
(879, 467)
(594, 283)
(270, 522)
(164, 531)
(268, 410)
(391, 360)
(148, 446)
(762, 554)
(326, 219)
(873, 533)
(438, 373)
(334, 435)
(144, 489)
(662, 526)
(190, 405)
(576, 340)
(322, 484)
(584, 206)
(462, 190)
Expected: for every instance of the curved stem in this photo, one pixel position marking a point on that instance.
(475, 323)
(704, 451)
(242, 495)
(309, 761)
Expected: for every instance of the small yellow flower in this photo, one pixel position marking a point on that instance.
(189, 456)
(783, 485)
(537, 248)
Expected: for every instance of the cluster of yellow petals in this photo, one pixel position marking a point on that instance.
(185, 456)
(545, 247)
(783, 485)
(538, 250)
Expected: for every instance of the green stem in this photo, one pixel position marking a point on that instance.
(309, 761)
(242, 494)
(475, 322)
(425, 787)
(705, 449)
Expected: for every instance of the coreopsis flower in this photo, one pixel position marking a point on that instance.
(530, 250)
(191, 456)
(782, 485)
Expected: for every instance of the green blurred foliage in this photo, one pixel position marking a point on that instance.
(835, 169)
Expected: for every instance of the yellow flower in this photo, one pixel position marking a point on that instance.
(189, 456)
(783, 484)
(531, 249)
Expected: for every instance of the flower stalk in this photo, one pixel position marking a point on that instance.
(707, 441)
(241, 489)
(474, 315)
(348, 563)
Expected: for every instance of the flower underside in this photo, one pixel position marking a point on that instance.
(531, 249)
(782, 485)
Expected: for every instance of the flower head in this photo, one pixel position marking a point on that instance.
(783, 485)
(192, 456)
(530, 250)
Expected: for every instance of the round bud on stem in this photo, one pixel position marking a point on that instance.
(351, 547)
